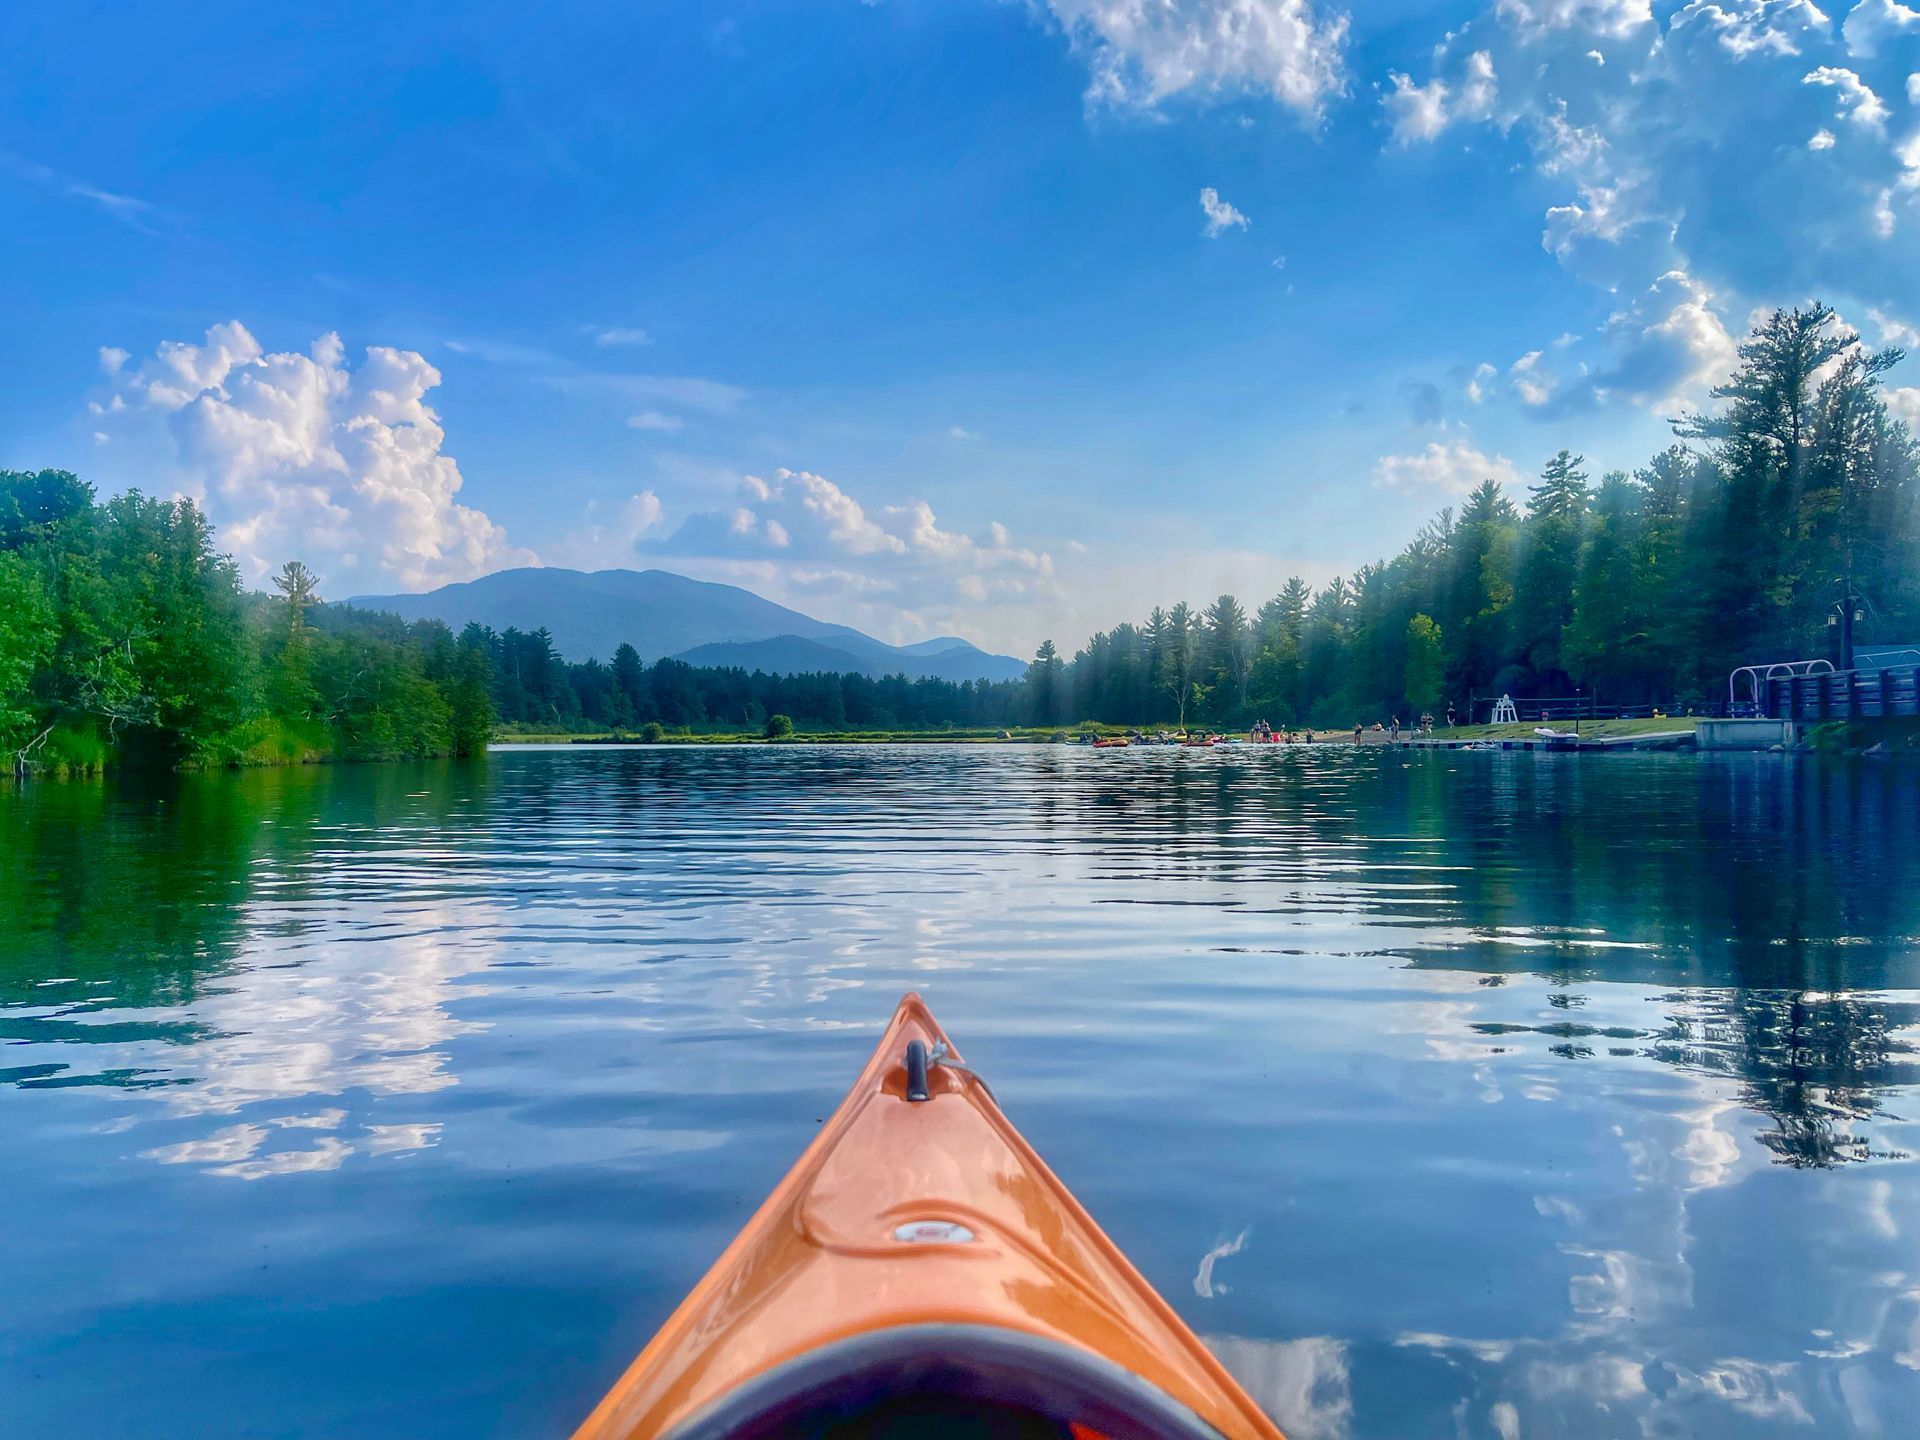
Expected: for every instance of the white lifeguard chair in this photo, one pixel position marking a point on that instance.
(1505, 712)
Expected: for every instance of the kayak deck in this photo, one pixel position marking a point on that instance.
(920, 1253)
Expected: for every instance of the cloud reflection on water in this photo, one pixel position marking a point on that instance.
(1555, 1106)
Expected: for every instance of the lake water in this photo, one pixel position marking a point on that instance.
(1452, 1095)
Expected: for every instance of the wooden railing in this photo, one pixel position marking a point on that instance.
(1845, 694)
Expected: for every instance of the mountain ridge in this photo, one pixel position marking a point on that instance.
(590, 613)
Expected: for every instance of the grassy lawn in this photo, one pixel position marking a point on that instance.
(1589, 729)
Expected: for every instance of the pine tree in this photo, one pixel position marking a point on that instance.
(1425, 669)
(1549, 566)
(1229, 654)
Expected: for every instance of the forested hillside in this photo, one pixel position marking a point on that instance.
(1636, 587)
(535, 687)
(126, 635)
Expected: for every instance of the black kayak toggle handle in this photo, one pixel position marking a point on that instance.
(916, 1070)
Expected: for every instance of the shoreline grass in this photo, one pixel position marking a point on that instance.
(1588, 729)
(1028, 735)
(1040, 735)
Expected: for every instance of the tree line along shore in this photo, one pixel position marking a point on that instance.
(127, 637)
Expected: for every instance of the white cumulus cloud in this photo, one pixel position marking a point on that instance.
(1443, 469)
(1533, 385)
(1893, 330)
(305, 456)
(1668, 346)
(802, 534)
(1221, 216)
(1661, 351)
(1874, 23)
(1596, 17)
(1421, 112)
(1689, 93)
(1856, 99)
(1143, 52)
(609, 535)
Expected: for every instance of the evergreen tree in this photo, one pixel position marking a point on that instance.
(1426, 672)
(1044, 684)
(1549, 566)
(1229, 655)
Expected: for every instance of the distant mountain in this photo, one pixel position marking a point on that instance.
(938, 646)
(660, 614)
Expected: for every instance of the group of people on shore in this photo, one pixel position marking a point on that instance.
(1388, 731)
(1264, 734)
(1391, 730)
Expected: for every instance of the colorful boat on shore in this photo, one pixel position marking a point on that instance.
(921, 1271)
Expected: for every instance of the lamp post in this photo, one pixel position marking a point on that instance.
(1841, 618)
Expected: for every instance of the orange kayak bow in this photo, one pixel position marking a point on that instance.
(921, 1271)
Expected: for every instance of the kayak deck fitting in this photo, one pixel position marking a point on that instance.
(920, 1271)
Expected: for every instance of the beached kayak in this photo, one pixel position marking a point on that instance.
(921, 1271)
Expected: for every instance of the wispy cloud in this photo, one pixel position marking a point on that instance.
(620, 335)
(504, 352)
(125, 208)
(688, 391)
(1221, 216)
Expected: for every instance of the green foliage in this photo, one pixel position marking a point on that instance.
(71, 750)
(125, 637)
(172, 614)
(779, 727)
(1647, 590)
(469, 695)
(27, 638)
(1228, 650)
(1426, 678)
(34, 505)
(1045, 695)
(535, 691)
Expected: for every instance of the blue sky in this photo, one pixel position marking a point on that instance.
(977, 316)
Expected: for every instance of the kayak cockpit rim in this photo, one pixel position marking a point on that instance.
(1025, 1383)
